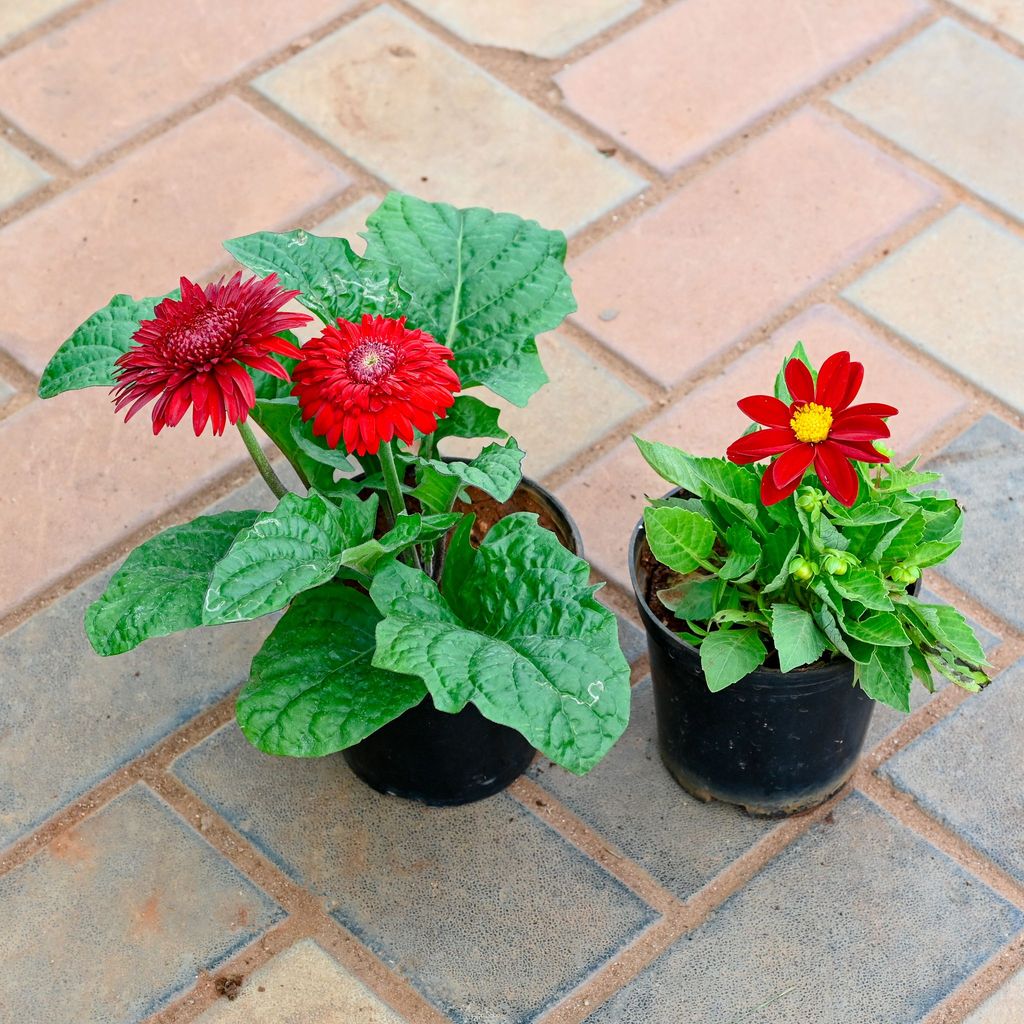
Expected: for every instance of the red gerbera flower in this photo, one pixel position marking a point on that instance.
(367, 382)
(195, 350)
(819, 426)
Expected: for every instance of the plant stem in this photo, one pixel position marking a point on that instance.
(252, 446)
(394, 488)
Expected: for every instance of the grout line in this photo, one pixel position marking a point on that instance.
(974, 990)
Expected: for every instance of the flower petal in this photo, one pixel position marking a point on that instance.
(836, 474)
(869, 409)
(853, 383)
(771, 493)
(766, 410)
(832, 379)
(791, 464)
(799, 381)
(862, 451)
(760, 444)
(858, 428)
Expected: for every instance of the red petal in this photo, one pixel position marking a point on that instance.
(869, 409)
(766, 410)
(836, 474)
(799, 381)
(790, 465)
(832, 380)
(760, 444)
(772, 494)
(862, 451)
(858, 428)
(853, 383)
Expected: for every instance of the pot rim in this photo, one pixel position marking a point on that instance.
(807, 677)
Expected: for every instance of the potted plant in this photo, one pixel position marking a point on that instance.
(780, 601)
(439, 623)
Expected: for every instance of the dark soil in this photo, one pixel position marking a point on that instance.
(228, 985)
(655, 577)
(488, 511)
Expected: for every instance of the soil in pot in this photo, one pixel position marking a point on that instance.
(442, 759)
(774, 743)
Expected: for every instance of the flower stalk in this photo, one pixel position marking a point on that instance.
(252, 446)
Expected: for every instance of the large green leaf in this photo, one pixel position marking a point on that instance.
(161, 585)
(495, 471)
(408, 530)
(887, 677)
(517, 632)
(469, 417)
(483, 283)
(743, 554)
(294, 548)
(671, 464)
(727, 655)
(881, 629)
(678, 538)
(864, 587)
(313, 689)
(333, 280)
(87, 358)
(797, 639)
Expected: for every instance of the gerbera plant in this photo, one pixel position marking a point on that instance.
(391, 591)
(815, 555)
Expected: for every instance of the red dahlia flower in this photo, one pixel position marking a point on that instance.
(367, 382)
(819, 426)
(195, 350)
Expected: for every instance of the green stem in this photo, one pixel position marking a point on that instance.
(252, 446)
(393, 487)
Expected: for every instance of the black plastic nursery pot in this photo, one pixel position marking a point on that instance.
(775, 743)
(442, 759)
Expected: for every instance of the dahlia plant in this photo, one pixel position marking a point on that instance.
(388, 594)
(815, 555)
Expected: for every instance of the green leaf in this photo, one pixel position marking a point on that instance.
(315, 448)
(864, 587)
(780, 548)
(161, 585)
(678, 538)
(781, 390)
(949, 628)
(312, 688)
(727, 655)
(691, 600)
(905, 543)
(887, 677)
(881, 629)
(483, 283)
(797, 639)
(408, 530)
(87, 358)
(743, 554)
(295, 547)
(333, 280)
(670, 464)
(495, 471)
(518, 632)
(469, 417)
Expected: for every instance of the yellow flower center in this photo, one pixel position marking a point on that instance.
(812, 422)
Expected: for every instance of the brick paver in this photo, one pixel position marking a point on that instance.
(682, 283)
(701, 71)
(966, 256)
(733, 177)
(546, 30)
(453, 132)
(968, 121)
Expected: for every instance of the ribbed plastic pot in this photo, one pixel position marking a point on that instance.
(442, 759)
(775, 743)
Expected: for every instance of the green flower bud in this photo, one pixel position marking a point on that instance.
(835, 565)
(809, 499)
(905, 574)
(801, 569)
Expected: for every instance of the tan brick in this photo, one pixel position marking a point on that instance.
(127, 63)
(159, 213)
(18, 175)
(412, 111)
(607, 499)
(302, 984)
(1006, 15)
(694, 275)
(348, 222)
(18, 15)
(546, 30)
(77, 479)
(695, 74)
(580, 404)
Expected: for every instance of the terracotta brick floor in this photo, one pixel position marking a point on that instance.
(733, 175)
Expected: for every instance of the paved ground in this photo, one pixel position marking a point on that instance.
(734, 176)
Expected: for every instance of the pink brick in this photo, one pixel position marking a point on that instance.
(697, 273)
(127, 63)
(77, 480)
(695, 74)
(607, 499)
(159, 213)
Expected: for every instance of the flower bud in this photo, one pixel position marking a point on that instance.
(835, 565)
(809, 499)
(801, 569)
(905, 574)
